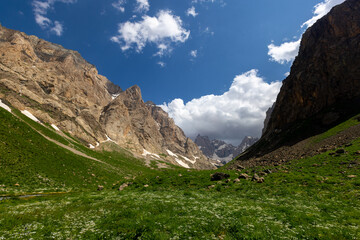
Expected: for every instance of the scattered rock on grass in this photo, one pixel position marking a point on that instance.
(257, 179)
(236, 180)
(351, 176)
(123, 186)
(146, 185)
(339, 151)
(244, 176)
(100, 188)
(211, 186)
(219, 176)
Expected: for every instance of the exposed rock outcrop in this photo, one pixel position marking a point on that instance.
(323, 87)
(220, 150)
(59, 87)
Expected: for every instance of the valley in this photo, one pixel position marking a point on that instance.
(81, 158)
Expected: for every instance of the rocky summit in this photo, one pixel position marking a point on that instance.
(322, 89)
(222, 151)
(60, 88)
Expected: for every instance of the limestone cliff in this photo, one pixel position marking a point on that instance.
(59, 87)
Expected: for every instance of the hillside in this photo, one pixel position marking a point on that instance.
(59, 87)
(295, 199)
(322, 89)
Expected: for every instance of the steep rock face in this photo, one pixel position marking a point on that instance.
(58, 81)
(323, 87)
(59, 87)
(220, 150)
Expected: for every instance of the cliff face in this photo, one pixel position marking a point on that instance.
(323, 87)
(59, 87)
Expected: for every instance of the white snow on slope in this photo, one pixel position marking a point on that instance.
(181, 163)
(55, 127)
(187, 159)
(4, 106)
(145, 153)
(91, 146)
(171, 153)
(113, 96)
(29, 115)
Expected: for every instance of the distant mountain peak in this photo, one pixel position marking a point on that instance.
(220, 150)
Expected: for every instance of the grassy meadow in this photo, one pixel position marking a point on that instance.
(310, 198)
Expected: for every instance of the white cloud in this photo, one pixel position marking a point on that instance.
(142, 6)
(162, 64)
(57, 29)
(237, 113)
(161, 30)
(284, 53)
(40, 9)
(287, 51)
(193, 53)
(320, 10)
(119, 5)
(191, 12)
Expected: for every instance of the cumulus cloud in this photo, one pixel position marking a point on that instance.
(40, 9)
(284, 53)
(191, 12)
(287, 51)
(119, 5)
(320, 10)
(142, 6)
(161, 30)
(237, 113)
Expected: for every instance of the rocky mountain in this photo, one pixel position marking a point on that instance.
(60, 88)
(323, 87)
(220, 150)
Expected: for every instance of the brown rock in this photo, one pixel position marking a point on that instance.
(219, 176)
(123, 186)
(236, 180)
(58, 86)
(323, 86)
(244, 176)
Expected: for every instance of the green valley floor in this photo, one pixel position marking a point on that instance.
(310, 198)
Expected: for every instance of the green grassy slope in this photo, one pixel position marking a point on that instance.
(310, 198)
(35, 164)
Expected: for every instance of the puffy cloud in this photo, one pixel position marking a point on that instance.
(284, 53)
(40, 9)
(119, 5)
(320, 10)
(287, 51)
(161, 30)
(193, 53)
(237, 113)
(142, 6)
(191, 12)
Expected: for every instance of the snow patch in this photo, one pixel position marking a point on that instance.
(55, 127)
(222, 147)
(4, 106)
(97, 144)
(187, 159)
(108, 139)
(29, 115)
(145, 153)
(181, 163)
(91, 146)
(171, 153)
(113, 96)
(224, 159)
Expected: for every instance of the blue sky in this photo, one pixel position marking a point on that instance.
(214, 65)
